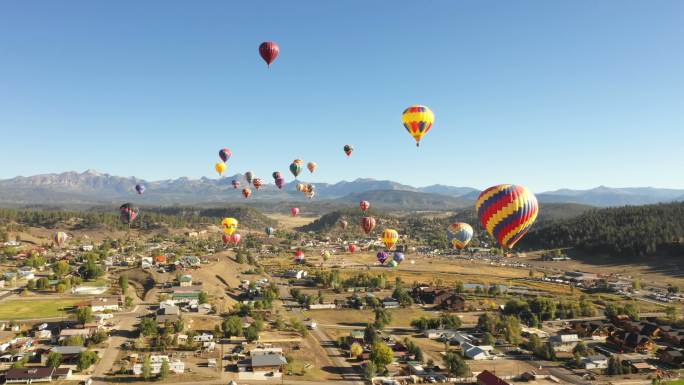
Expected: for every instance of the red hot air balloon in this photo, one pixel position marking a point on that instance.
(269, 51)
(368, 224)
(365, 205)
(294, 211)
(257, 182)
(280, 182)
(246, 192)
(225, 238)
(299, 256)
(234, 239)
(352, 248)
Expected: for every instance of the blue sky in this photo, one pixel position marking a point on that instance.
(544, 94)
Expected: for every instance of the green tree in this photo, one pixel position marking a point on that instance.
(232, 326)
(123, 283)
(455, 364)
(382, 318)
(84, 315)
(61, 268)
(370, 370)
(355, 350)
(381, 354)
(251, 333)
(164, 370)
(203, 297)
(148, 327)
(488, 339)
(54, 359)
(147, 367)
(86, 359)
(581, 349)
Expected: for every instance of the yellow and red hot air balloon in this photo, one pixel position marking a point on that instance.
(229, 225)
(418, 121)
(507, 212)
(246, 192)
(311, 166)
(220, 168)
(60, 238)
(390, 238)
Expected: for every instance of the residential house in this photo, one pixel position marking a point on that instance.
(488, 378)
(390, 303)
(66, 333)
(69, 353)
(672, 357)
(476, 352)
(598, 361)
(528, 332)
(295, 274)
(29, 375)
(321, 306)
(111, 303)
(450, 301)
(175, 366)
(564, 342)
(261, 364)
(204, 337)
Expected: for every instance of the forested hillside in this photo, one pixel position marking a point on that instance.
(625, 231)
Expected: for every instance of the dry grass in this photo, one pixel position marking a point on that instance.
(289, 222)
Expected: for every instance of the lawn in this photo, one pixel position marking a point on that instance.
(676, 382)
(32, 309)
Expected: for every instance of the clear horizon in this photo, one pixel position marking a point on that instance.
(545, 95)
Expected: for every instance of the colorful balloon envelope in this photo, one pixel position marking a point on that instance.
(311, 166)
(418, 121)
(236, 183)
(229, 225)
(225, 154)
(344, 224)
(310, 194)
(348, 149)
(277, 174)
(128, 213)
(269, 51)
(235, 239)
(367, 224)
(270, 231)
(295, 168)
(60, 238)
(364, 205)
(257, 182)
(352, 248)
(280, 182)
(460, 234)
(300, 187)
(220, 168)
(294, 211)
(299, 256)
(140, 188)
(247, 192)
(249, 176)
(393, 263)
(225, 238)
(507, 212)
(390, 238)
(382, 256)
(398, 257)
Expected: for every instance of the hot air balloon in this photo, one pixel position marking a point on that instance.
(299, 256)
(277, 174)
(344, 224)
(398, 257)
(230, 225)
(300, 187)
(225, 154)
(365, 205)
(393, 263)
(60, 238)
(235, 239)
(352, 248)
(298, 161)
(507, 212)
(418, 121)
(390, 238)
(294, 211)
(225, 238)
(382, 256)
(311, 166)
(236, 183)
(269, 52)
(249, 176)
(220, 168)
(140, 188)
(348, 149)
(257, 182)
(280, 182)
(460, 234)
(367, 224)
(128, 213)
(246, 192)
(295, 168)
(310, 194)
(270, 231)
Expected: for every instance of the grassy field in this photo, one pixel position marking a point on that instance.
(32, 309)
(289, 222)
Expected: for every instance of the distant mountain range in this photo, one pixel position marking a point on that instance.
(91, 187)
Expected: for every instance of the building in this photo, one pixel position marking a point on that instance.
(160, 259)
(597, 361)
(488, 378)
(185, 280)
(321, 306)
(528, 332)
(450, 301)
(261, 364)
(295, 274)
(112, 303)
(29, 375)
(564, 342)
(204, 337)
(672, 357)
(175, 366)
(390, 303)
(476, 352)
(69, 353)
(66, 333)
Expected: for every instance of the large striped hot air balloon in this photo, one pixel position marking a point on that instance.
(296, 167)
(257, 182)
(418, 121)
(368, 224)
(269, 51)
(364, 205)
(507, 212)
(460, 234)
(390, 238)
(230, 225)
